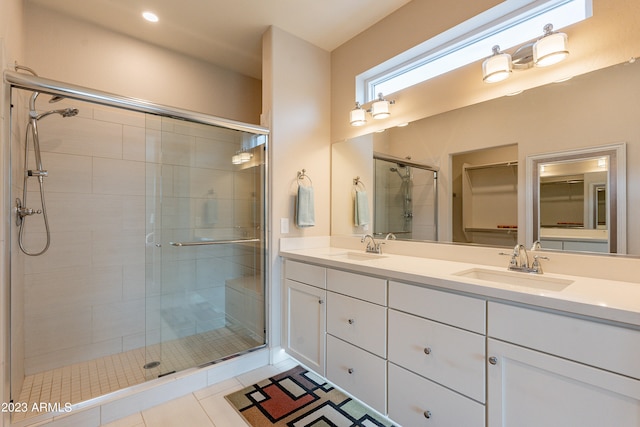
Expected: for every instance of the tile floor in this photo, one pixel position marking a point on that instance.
(203, 408)
(86, 380)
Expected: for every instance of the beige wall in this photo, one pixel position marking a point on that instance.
(296, 78)
(65, 49)
(611, 36)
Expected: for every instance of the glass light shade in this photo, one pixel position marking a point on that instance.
(357, 117)
(235, 159)
(550, 49)
(380, 109)
(245, 157)
(496, 68)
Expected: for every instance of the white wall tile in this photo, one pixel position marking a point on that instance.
(80, 136)
(134, 143)
(118, 177)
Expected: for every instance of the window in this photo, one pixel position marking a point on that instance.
(509, 24)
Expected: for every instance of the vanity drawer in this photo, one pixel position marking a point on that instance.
(358, 322)
(609, 347)
(306, 273)
(452, 309)
(358, 372)
(449, 356)
(366, 288)
(412, 399)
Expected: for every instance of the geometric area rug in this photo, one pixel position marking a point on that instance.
(300, 398)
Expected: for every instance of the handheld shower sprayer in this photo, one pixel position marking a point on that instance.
(22, 211)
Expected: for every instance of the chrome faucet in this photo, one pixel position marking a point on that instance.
(520, 261)
(390, 236)
(372, 246)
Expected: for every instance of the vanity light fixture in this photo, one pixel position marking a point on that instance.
(241, 157)
(497, 67)
(357, 116)
(380, 109)
(551, 48)
(548, 50)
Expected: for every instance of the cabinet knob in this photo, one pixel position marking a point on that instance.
(350, 370)
(493, 360)
(427, 350)
(427, 414)
(351, 321)
(320, 301)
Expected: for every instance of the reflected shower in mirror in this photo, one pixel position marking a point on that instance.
(405, 199)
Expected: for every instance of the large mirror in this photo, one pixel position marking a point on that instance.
(591, 110)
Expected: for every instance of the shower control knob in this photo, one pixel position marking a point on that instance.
(158, 245)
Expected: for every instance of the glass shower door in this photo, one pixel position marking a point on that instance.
(205, 244)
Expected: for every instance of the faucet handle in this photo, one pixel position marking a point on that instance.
(536, 267)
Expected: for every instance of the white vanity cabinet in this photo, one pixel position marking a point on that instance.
(547, 369)
(357, 336)
(436, 357)
(305, 311)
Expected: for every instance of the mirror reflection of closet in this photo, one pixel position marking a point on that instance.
(485, 196)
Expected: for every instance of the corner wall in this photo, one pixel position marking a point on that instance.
(296, 107)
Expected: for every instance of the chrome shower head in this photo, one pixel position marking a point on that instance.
(56, 98)
(65, 112)
(69, 112)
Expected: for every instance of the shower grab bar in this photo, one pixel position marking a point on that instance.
(212, 242)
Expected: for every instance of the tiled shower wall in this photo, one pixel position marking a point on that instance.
(97, 291)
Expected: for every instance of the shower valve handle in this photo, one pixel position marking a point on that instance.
(42, 173)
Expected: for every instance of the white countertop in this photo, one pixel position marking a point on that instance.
(603, 299)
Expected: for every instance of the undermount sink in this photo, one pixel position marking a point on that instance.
(357, 256)
(516, 279)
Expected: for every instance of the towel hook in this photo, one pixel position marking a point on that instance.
(357, 181)
(302, 175)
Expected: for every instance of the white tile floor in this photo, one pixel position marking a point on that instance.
(87, 380)
(202, 408)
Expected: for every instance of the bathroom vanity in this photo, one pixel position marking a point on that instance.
(432, 342)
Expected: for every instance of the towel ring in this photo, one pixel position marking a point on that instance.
(302, 175)
(357, 182)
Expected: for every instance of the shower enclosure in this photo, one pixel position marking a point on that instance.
(405, 198)
(154, 246)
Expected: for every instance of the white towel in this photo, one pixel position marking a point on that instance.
(361, 208)
(305, 211)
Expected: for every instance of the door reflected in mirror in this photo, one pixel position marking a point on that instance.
(578, 200)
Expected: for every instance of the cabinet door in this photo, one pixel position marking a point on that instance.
(305, 324)
(529, 388)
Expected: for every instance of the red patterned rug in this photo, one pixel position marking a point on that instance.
(300, 398)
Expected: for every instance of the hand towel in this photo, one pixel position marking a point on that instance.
(305, 211)
(361, 208)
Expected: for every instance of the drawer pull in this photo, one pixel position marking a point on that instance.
(427, 350)
(350, 370)
(351, 321)
(493, 360)
(427, 414)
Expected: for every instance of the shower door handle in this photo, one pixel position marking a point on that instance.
(212, 242)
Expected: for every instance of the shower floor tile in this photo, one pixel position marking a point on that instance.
(94, 378)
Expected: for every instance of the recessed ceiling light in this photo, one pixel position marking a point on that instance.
(150, 16)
